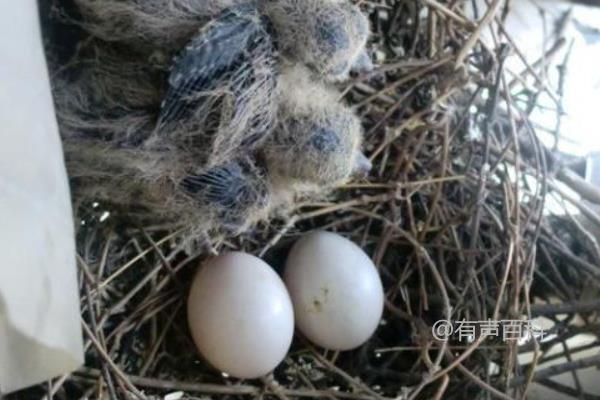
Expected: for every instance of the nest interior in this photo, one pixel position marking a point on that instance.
(453, 214)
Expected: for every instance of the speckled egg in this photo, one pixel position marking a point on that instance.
(336, 291)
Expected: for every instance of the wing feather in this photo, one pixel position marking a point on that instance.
(216, 56)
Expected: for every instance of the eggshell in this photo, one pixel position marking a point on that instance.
(336, 291)
(240, 315)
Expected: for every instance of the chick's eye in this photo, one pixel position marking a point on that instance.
(325, 140)
(332, 37)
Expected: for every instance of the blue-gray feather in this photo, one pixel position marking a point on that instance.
(220, 51)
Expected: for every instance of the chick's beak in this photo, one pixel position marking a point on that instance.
(362, 166)
(363, 63)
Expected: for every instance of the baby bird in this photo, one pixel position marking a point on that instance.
(329, 36)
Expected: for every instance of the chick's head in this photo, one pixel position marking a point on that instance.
(329, 36)
(316, 149)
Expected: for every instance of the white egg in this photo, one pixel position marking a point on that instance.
(240, 315)
(336, 291)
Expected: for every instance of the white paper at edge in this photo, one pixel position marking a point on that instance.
(40, 332)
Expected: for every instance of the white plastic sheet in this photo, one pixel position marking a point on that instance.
(40, 332)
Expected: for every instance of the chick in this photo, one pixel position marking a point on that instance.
(318, 140)
(329, 36)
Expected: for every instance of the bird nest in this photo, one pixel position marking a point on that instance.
(453, 214)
